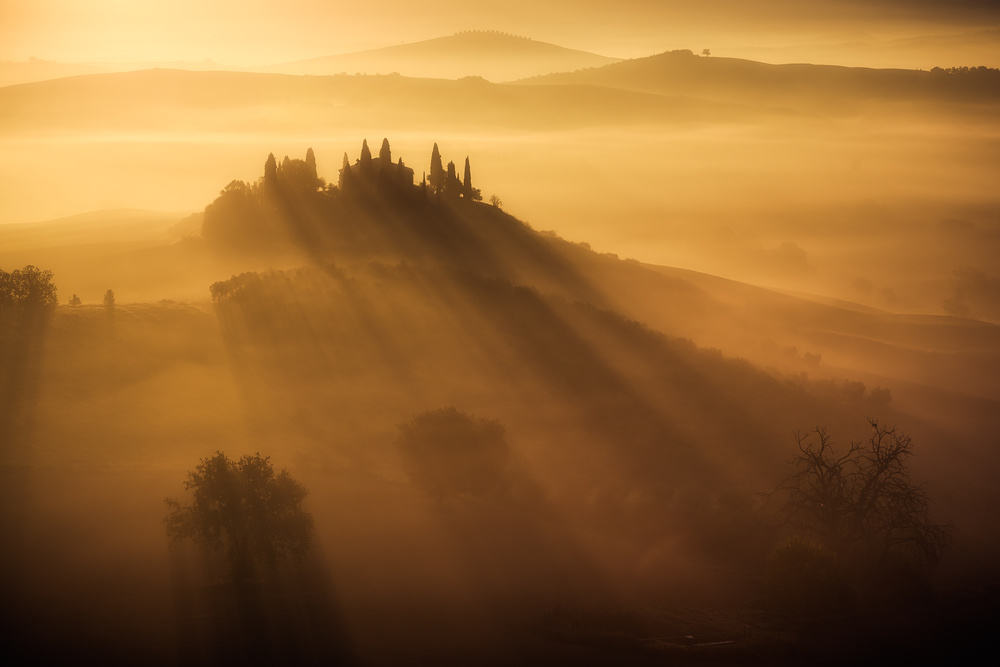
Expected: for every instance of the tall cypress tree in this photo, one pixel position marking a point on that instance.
(436, 180)
(270, 171)
(345, 173)
(311, 165)
(401, 174)
(384, 155)
(467, 181)
(452, 186)
(365, 163)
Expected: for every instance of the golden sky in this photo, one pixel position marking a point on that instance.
(258, 32)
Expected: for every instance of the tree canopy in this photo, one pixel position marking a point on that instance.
(450, 452)
(28, 287)
(245, 510)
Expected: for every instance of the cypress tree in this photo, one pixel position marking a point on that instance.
(365, 163)
(401, 174)
(468, 179)
(384, 155)
(452, 186)
(437, 171)
(270, 171)
(311, 164)
(345, 173)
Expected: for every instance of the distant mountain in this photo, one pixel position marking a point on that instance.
(804, 87)
(492, 55)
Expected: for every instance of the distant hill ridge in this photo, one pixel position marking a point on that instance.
(491, 54)
(489, 32)
(801, 86)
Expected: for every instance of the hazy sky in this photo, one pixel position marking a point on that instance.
(268, 31)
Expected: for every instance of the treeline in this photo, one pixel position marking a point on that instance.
(290, 205)
(981, 72)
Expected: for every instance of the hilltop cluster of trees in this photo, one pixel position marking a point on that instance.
(981, 72)
(291, 203)
(28, 287)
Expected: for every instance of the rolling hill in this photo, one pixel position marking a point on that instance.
(492, 55)
(823, 89)
(240, 103)
(640, 407)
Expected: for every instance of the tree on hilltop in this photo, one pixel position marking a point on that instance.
(469, 192)
(452, 186)
(311, 164)
(436, 180)
(270, 171)
(345, 174)
(365, 161)
(385, 155)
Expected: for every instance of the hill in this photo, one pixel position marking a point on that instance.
(489, 54)
(628, 453)
(823, 89)
(242, 103)
(12, 73)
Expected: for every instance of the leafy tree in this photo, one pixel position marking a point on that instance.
(706, 52)
(75, 301)
(496, 201)
(446, 452)
(861, 503)
(28, 287)
(245, 510)
(109, 299)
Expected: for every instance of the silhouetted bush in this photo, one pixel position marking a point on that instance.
(804, 579)
(449, 452)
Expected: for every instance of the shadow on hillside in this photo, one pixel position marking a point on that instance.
(290, 616)
(22, 343)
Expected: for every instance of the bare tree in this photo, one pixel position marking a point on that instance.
(861, 502)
